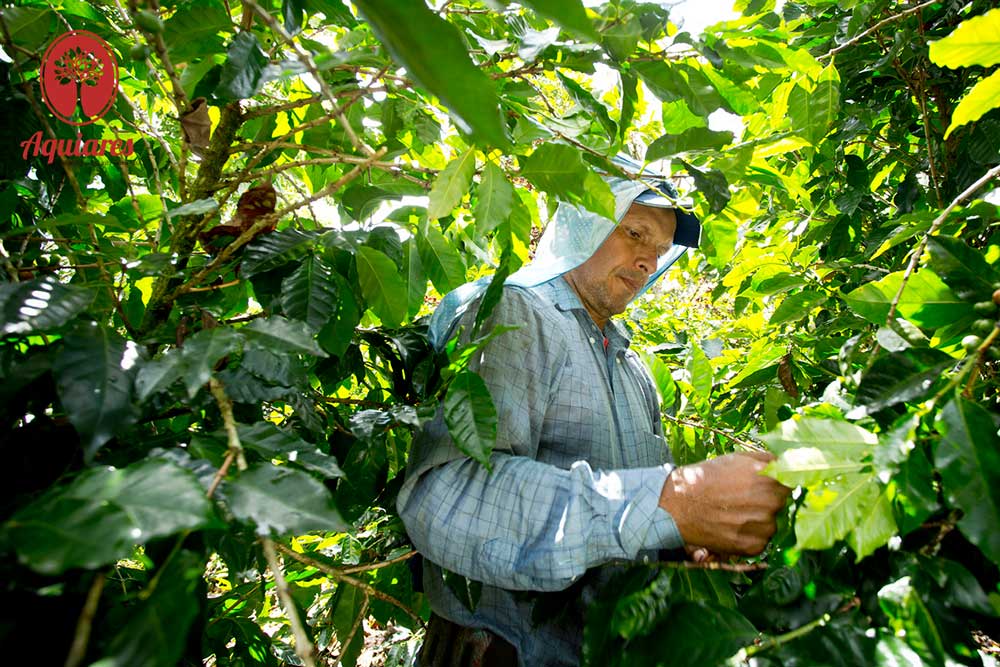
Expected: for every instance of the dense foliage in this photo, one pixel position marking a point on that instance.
(214, 357)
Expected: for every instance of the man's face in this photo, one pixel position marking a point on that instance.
(615, 274)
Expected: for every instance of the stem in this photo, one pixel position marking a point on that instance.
(880, 24)
(263, 222)
(749, 446)
(725, 567)
(307, 60)
(81, 638)
(303, 646)
(776, 641)
(226, 408)
(338, 574)
(917, 252)
(980, 358)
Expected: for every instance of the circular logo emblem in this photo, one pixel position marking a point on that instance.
(79, 77)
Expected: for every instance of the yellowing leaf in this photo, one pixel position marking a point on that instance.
(973, 42)
(984, 96)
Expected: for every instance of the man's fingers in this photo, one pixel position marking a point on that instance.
(766, 457)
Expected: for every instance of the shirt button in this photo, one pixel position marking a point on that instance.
(592, 340)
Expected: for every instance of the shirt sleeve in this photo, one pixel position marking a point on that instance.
(531, 526)
(526, 525)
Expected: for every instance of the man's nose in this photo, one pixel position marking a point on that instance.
(646, 259)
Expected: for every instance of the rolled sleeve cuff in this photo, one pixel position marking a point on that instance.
(643, 524)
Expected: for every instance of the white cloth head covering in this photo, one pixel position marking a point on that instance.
(574, 234)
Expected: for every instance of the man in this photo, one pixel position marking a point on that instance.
(581, 474)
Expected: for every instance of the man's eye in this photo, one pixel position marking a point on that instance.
(634, 234)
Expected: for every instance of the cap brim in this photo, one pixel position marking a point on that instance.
(688, 231)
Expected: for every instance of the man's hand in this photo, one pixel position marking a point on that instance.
(725, 505)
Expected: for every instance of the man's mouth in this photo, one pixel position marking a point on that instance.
(633, 285)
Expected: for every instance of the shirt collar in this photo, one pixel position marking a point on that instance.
(559, 292)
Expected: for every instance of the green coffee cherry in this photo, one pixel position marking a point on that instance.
(985, 308)
(140, 51)
(148, 21)
(983, 327)
(971, 342)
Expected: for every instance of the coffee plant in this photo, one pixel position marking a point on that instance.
(213, 304)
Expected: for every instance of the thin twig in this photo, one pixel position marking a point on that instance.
(262, 223)
(379, 565)
(303, 646)
(221, 473)
(226, 409)
(180, 98)
(749, 446)
(980, 357)
(710, 565)
(932, 166)
(337, 574)
(212, 288)
(306, 59)
(776, 641)
(81, 638)
(857, 38)
(354, 628)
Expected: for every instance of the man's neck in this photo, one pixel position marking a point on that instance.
(570, 280)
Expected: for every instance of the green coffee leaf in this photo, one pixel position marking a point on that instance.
(832, 510)
(94, 376)
(910, 618)
(968, 458)
(496, 199)
(874, 530)
(452, 183)
(39, 305)
(442, 262)
(926, 300)
(280, 334)
(310, 292)
(433, 53)
(382, 286)
(273, 443)
(570, 14)
(471, 416)
(157, 627)
(104, 512)
(281, 501)
(845, 440)
(982, 98)
(976, 41)
(690, 140)
(560, 171)
(242, 73)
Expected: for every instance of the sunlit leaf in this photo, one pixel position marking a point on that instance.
(451, 185)
(432, 51)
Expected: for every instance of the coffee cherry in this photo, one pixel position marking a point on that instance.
(140, 51)
(148, 21)
(996, 297)
(983, 327)
(971, 342)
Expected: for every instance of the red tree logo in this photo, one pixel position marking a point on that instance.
(79, 70)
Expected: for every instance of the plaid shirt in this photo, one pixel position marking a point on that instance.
(577, 472)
